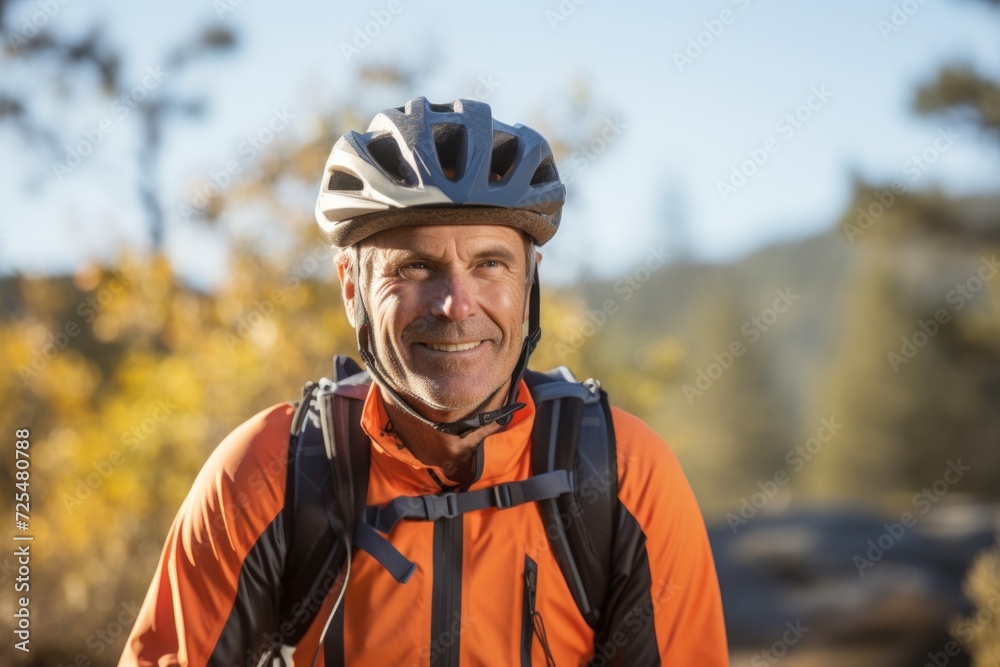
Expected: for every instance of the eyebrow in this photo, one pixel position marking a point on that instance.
(500, 252)
(497, 252)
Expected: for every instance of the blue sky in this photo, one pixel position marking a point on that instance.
(680, 127)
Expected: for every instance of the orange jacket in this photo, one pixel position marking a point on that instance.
(222, 559)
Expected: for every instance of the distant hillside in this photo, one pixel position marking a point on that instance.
(735, 418)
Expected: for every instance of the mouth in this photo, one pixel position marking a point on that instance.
(455, 347)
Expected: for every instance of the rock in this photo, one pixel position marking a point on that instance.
(847, 587)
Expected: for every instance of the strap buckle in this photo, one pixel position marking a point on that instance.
(502, 497)
(444, 506)
(594, 387)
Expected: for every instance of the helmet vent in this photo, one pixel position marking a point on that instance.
(505, 148)
(450, 143)
(341, 180)
(385, 151)
(442, 108)
(546, 173)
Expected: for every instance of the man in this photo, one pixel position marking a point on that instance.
(438, 210)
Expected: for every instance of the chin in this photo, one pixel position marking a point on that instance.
(452, 396)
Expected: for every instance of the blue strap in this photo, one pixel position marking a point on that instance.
(449, 505)
(379, 548)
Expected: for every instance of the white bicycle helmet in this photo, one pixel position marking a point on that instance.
(426, 163)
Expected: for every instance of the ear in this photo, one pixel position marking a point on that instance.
(347, 286)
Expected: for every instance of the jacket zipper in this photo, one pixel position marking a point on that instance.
(531, 620)
(447, 593)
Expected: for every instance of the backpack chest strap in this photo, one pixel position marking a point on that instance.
(448, 506)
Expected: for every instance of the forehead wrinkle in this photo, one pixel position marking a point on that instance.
(437, 234)
(435, 252)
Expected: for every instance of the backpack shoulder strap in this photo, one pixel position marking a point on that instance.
(326, 487)
(573, 432)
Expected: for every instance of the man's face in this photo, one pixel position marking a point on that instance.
(446, 305)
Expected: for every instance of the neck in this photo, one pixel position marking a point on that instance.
(455, 455)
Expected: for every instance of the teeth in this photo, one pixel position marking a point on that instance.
(453, 348)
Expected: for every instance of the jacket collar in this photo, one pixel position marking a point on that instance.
(501, 451)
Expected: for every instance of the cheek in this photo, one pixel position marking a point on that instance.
(394, 310)
(506, 308)
(388, 315)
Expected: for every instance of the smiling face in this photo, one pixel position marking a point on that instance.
(447, 305)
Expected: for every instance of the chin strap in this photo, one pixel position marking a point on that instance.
(462, 427)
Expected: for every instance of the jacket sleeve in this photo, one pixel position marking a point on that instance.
(664, 604)
(213, 595)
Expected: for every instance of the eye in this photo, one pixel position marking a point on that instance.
(413, 270)
(491, 264)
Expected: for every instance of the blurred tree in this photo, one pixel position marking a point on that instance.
(664, 352)
(916, 378)
(960, 88)
(127, 380)
(922, 327)
(980, 633)
(719, 409)
(46, 66)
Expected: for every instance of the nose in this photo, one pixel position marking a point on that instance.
(455, 300)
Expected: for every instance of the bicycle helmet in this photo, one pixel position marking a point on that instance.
(420, 158)
(441, 164)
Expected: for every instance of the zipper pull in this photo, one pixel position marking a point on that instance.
(537, 625)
